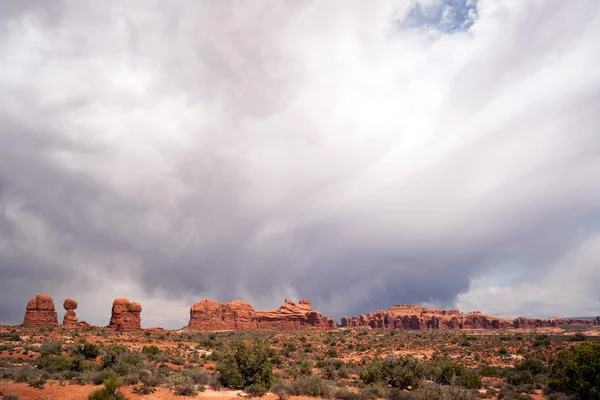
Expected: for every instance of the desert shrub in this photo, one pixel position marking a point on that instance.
(151, 352)
(255, 390)
(242, 365)
(517, 377)
(9, 396)
(110, 391)
(144, 389)
(577, 371)
(510, 393)
(89, 351)
(50, 348)
(132, 379)
(182, 385)
(10, 336)
(37, 380)
(156, 378)
(311, 386)
(52, 363)
(578, 337)
(533, 365)
(282, 389)
(198, 376)
(489, 370)
(452, 373)
(432, 391)
(100, 376)
(400, 372)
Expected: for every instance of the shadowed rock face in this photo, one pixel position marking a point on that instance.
(125, 315)
(209, 315)
(40, 312)
(407, 316)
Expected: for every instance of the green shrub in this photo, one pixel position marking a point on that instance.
(256, 390)
(99, 377)
(36, 380)
(242, 365)
(182, 385)
(89, 351)
(144, 389)
(9, 396)
(400, 372)
(311, 386)
(51, 348)
(282, 389)
(110, 391)
(577, 371)
(52, 363)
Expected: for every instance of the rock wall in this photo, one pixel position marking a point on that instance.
(209, 315)
(532, 323)
(125, 315)
(408, 316)
(40, 312)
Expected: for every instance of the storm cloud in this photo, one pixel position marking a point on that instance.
(358, 154)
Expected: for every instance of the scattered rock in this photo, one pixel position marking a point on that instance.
(40, 312)
(125, 315)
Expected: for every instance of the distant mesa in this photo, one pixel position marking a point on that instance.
(409, 316)
(40, 312)
(125, 315)
(210, 315)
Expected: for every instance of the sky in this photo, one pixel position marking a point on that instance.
(358, 154)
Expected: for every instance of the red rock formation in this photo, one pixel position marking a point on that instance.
(70, 318)
(407, 316)
(40, 312)
(291, 316)
(125, 315)
(532, 323)
(209, 315)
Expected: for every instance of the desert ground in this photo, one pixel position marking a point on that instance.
(347, 364)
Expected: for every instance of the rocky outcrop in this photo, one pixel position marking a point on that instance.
(291, 316)
(407, 316)
(40, 312)
(210, 315)
(125, 315)
(70, 318)
(554, 322)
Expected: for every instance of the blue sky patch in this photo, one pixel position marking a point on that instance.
(448, 16)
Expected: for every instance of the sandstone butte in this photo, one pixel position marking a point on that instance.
(125, 315)
(210, 315)
(408, 316)
(40, 312)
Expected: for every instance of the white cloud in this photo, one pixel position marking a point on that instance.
(308, 149)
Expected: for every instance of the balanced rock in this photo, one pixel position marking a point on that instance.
(125, 315)
(40, 312)
(70, 318)
(210, 315)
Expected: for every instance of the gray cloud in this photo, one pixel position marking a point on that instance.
(298, 149)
